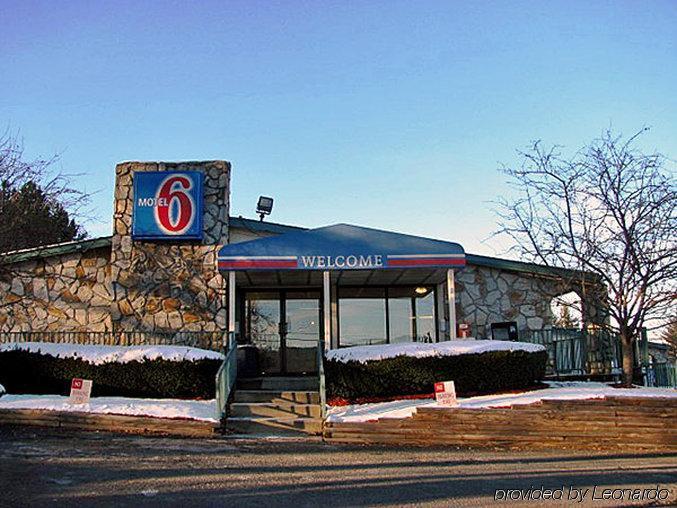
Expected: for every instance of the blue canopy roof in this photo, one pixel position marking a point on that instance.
(341, 247)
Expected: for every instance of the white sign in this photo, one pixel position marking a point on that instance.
(445, 393)
(81, 390)
(372, 261)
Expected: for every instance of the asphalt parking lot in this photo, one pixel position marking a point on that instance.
(46, 467)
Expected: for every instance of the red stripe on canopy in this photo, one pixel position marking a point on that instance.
(426, 262)
(258, 263)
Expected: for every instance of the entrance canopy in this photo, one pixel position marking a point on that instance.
(355, 255)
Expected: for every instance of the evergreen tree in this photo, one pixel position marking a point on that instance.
(30, 218)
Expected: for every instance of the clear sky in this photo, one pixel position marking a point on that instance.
(390, 114)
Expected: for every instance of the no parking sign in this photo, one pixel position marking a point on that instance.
(445, 393)
(81, 390)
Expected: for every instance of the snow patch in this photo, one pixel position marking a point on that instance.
(203, 410)
(568, 391)
(364, 354)
(98, 355)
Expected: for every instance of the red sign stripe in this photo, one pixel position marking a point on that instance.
(427, 262)
(258, 263)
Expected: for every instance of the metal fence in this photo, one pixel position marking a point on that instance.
(203, 340)
(663, 375)
(573, 352)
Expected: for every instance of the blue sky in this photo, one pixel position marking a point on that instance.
(393, 115)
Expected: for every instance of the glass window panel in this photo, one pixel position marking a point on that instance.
(425, 317)
(400, 315)
(362, 316)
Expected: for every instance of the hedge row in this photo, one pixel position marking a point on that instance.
(473, 374)
(29, 372)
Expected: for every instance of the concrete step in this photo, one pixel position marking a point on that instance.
(281, 409)
(274, 426)
(276, 396)
(278, 383)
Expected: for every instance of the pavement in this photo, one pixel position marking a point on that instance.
(47, 467)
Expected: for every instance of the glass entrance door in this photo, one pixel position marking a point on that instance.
(302, 331)
(262, 329)
(283, 346)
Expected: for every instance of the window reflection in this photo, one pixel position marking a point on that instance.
(425, 317)
(362, 316)
(386, 315)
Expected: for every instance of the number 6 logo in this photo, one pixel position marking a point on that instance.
(175, 210)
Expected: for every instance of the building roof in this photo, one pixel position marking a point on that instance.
(350, 247)
(56, 249)
(257, 226)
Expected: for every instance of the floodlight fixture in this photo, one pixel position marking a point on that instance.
(264, 206)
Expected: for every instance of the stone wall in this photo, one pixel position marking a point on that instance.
(70, 292)
(489, 295)
(126, 285)
(167, 286)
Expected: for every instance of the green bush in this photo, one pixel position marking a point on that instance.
(473, 374)
(29, 372)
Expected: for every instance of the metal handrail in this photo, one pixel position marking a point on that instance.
(204, 340)
(226, 377)
(322, 381)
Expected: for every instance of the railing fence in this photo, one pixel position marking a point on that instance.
(203, 340)
(575, 352)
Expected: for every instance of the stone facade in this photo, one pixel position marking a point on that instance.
(487, 295)
(126, 285)
(70, 292)
(120, 284)
(165, 286)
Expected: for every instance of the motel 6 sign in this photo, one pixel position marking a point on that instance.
(168, 205)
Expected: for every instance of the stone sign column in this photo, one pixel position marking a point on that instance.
(169, 286)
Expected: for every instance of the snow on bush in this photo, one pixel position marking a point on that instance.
(364, 354)
(99, 355)
(2, 390)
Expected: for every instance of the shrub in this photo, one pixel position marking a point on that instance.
(473, 374)
(29, 372)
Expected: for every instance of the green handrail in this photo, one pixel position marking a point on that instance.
(226, 377)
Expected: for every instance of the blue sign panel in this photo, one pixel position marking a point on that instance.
(168, 205)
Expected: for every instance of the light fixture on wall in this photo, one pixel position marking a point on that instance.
(421, 290)
(264, 206)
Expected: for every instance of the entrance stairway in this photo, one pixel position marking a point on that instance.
(274, 406)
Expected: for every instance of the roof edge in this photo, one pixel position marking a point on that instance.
(56, 249)
(275, 227)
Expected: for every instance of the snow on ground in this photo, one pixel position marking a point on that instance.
(204, 410)
(363, 354)
(119, 354)
(557, 391)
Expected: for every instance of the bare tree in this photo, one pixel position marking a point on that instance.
(37, 205)
(609, 211)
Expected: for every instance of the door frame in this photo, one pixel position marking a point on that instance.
(282, 325)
